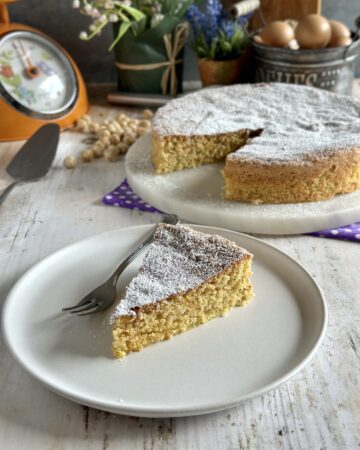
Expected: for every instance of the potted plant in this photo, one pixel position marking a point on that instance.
(220, 43)
(149, 37)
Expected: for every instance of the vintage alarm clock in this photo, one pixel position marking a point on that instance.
(39, 81)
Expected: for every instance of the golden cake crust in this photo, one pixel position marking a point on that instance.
(319, 179)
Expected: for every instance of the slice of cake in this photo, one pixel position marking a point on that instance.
(187, 278)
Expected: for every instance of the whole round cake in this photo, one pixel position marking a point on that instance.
(281, 143)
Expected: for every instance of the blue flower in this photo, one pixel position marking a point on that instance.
(243, 20)
(216, 36)
(196, 19)
(214, 11)
(213, 14)
(228, 27)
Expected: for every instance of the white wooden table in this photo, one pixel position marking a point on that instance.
(318, 409)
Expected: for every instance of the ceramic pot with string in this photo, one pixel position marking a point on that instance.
(152, 62)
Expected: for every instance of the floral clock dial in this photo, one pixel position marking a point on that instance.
(36, 77)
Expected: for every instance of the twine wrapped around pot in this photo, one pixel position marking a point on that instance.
(173, 47)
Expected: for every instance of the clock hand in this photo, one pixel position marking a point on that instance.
(16, 47)
(31, 70)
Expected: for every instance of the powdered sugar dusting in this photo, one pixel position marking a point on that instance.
(298, 123)
(179, 259)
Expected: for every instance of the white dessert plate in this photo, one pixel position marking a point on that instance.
(195, 195)
(213, 367)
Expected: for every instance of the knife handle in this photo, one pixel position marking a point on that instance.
(8, 189)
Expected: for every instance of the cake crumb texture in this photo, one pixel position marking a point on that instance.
(179, 313)
(182, 152)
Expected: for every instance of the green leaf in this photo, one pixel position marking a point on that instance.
(122, 16)
(227, 47)
(137, 4)
(213, 49)
(168, 7)
(100, 26)
(184, 7)
(139, 27)
(122, 30)
(135, 13)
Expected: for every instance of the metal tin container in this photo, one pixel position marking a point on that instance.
(329, 68)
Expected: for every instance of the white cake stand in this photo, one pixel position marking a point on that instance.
(195, 195)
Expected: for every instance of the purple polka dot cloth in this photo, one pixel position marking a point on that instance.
(125, 197)
(347, 233)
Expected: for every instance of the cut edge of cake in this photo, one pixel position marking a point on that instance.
(171, 154)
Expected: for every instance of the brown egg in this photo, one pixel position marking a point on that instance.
(339, 32)
(340, 41)
(313, 31)
(277, 34)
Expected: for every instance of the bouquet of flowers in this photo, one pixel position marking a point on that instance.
(149, 37)
(217, 36)
(134, 15)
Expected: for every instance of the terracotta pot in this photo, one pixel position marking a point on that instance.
(223, 72)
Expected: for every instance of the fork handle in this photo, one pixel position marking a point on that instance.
(170, 219)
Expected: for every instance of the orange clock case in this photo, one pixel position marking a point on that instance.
(16, 125)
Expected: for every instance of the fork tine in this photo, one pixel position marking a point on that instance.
(94, 309)
(85, 307)
(82, 302)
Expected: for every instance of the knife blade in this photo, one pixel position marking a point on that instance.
(35, 157)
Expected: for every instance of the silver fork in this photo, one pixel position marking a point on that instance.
(104, 295)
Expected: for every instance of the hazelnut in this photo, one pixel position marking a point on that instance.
(105, 141)
(87, 156)
(98, 152)
(94, 127)
(129, 138)
(114, 139)
(122, 148)
(141, 131)
(111, 154)
(147, 114)
(70, 162)
(145, 123)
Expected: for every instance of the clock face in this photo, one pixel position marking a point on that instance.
(36, 77)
